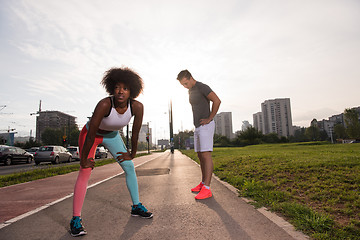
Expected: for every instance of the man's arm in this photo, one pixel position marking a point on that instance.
(214, 109)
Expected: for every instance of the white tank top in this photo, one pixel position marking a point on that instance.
(115, 121)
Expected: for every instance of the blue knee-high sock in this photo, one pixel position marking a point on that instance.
(131, 180)
(115, 144)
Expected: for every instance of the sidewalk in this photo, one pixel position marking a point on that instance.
(164, 182)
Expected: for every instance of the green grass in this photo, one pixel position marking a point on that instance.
(158, 151)
(315, 185)
(21, 177)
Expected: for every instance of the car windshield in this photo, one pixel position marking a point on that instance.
(71, 149)
(43, 149)
(3, 148)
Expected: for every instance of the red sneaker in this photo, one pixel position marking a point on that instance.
(197, 188)
(204, 193)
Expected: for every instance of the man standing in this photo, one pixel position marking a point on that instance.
(200, 96)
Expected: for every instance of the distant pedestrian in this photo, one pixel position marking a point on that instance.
(200, 96)
(110, 115)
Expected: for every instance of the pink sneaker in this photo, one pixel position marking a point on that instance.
(197, 188)
(204, 193)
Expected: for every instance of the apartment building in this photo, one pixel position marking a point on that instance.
(275, 117)
(328, 125)
(258, 121)
(53, 120)
(223, 124)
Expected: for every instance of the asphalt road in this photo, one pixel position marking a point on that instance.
(164, 183)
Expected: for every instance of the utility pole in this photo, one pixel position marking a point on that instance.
(171, 128)
(37, 113)
(148, 137)
(1, 108)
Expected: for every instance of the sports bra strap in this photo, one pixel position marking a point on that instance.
(131, 111)
(112, 104)
(112, 101)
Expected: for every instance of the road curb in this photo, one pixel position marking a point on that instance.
(279, 221)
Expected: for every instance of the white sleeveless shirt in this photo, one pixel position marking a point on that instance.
(115, 121)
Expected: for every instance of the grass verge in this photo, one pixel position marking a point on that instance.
(315, 186)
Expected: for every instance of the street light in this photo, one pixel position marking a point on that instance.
(171, 128)
(147, 137)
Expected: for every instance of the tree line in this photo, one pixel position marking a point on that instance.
(349, 130)
(50, 136)
(252, 136)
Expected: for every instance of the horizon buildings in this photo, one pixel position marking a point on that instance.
(328, 125)
(275, 117)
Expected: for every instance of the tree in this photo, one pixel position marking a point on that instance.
(313, 133)
(340, 131)
(73, 138)
(271, 138)
(351, 118)
(28, 144)
(250, 136)
(52, 136)
(181, 137)
(299, 136)
(222, 141)
(323, 136)
(142, 146)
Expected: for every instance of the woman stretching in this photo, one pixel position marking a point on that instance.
(110, 115)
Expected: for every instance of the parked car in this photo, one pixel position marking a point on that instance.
(100, 152)
(9, 155)
(53, 154)
(32, 150)
(75, 152)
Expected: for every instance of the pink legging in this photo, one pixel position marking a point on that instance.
(84, 174)
(115, 144)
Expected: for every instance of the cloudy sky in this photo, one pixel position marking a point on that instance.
(246, 51)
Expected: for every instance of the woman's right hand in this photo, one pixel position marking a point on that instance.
(88, 163)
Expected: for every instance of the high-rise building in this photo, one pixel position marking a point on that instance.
(245, 125)
(145, 131)
(258, 121)
(223, 124)
(53, 120)
(275, 117)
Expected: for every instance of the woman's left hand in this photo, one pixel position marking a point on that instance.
(123, 156)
